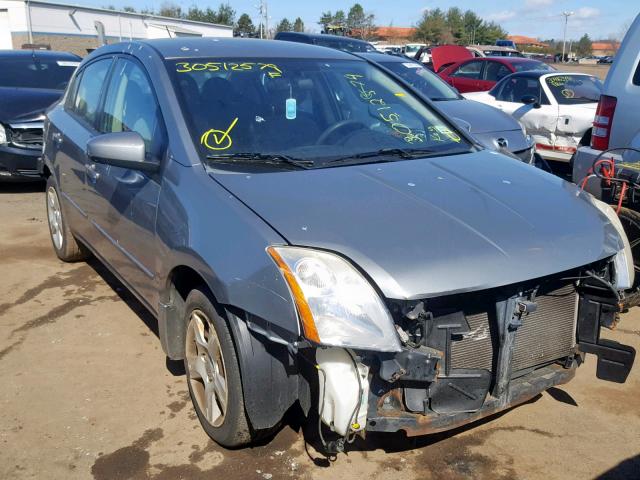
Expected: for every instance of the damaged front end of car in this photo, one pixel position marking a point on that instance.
(462, 357)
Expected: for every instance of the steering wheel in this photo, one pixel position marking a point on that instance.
(342, 125)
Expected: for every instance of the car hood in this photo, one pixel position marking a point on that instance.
(448, 54)
(20, 104)
(488, 125)
(428, 227)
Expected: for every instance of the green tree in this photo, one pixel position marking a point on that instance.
(128, 9)
(326, 19)
(359, 22)
(455, 23)
(339, 18)
(245, 26)
(298, 25)
(584, 47)
(472, 23)
(433, 27)
(225, 15)
(356, 17)
(170, 9)
(284, 26)
(489, 32)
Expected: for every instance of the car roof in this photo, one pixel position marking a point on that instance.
(385, 57)
(237, 48)
(321, 36)
(7, 54)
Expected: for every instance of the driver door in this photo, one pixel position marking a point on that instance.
(540, 122)
(126, 199)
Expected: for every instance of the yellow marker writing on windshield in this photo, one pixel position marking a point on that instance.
(221, 138)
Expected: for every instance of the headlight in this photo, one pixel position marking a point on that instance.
(623, 261)
(336, 305)
(3, 135)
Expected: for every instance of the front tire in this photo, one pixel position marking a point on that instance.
(213, 373)
(64, 243)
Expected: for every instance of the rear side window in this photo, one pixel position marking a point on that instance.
(87, 98)
(131, 106)
(468, 70)
(636, 76)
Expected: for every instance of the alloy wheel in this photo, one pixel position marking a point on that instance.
(54, 215)
(207, 372)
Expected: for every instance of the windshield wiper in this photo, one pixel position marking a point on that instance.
(382, 153)
(260, 159)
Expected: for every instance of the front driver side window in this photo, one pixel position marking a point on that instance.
(89, 88)
(514, 88)
(468, 70)
(131, 106)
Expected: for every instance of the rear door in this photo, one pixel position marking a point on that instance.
(69, 130)
(125, 200)
(467, 77)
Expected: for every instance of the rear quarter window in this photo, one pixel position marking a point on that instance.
(636, 76)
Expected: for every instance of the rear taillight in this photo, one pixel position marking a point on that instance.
(602, 123)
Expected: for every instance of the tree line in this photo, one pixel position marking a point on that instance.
(357, 22)
(454, 26)
(224, 14)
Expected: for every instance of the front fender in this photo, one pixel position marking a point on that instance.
(200, 225)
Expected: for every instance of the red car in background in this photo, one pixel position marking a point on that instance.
(481, 74)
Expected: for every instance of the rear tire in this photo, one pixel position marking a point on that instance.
(67, 248)
(213, 372)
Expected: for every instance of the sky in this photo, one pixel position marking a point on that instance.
(535, 18)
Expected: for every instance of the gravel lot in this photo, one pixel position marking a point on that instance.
(87, 393)
(599, 71)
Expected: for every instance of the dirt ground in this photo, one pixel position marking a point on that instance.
(599, 71)
(87, 393)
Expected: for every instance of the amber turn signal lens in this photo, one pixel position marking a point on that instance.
(308, 324)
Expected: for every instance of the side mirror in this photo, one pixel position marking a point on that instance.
(530, 100)
(121, 149)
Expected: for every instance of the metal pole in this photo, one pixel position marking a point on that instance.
(564, 37)
(266, 18)
(30, 28)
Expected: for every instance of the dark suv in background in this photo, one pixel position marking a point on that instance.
(30, 82)
(346, 44)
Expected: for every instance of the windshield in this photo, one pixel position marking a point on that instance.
(423, 80)
(311, 110)
(574, 89)
(27, 72)
(532, 65)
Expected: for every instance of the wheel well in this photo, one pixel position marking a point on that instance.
(46, 173)
(181, 281)
(586, 138)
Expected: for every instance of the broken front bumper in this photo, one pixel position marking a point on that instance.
(386, 416)
(464, 371)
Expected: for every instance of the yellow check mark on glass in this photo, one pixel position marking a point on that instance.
(221, 138)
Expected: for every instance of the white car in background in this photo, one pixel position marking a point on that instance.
(556, 109)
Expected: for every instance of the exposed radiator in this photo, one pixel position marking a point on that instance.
(546, 335)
